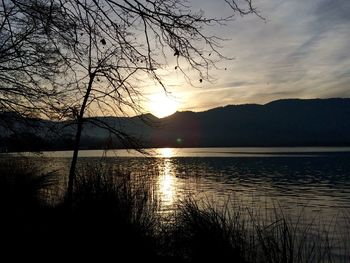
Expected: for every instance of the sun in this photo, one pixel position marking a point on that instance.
(162, 105)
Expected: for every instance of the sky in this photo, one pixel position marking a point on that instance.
(301, 50)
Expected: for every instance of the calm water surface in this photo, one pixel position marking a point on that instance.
(313, 182)
(313, 177)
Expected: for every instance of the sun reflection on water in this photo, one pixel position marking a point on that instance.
(166, 152)
(167, 183)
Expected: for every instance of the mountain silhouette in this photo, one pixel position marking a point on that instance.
(291, 122)
(288, 122)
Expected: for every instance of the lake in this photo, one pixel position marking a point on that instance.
(313, 177)
(312, 183)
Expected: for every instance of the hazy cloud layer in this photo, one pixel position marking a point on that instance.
(302, 50)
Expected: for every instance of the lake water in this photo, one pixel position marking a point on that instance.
(208, 152)
(313, 177)
(312, 182)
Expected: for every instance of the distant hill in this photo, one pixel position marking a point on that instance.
(291, 122)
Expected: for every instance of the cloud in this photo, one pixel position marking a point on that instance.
(329, 13)
(234, 84)
(301, 51)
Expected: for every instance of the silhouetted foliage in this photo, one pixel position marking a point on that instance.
(29, 58)
(69, 59)
(115, 217)
(117, 44)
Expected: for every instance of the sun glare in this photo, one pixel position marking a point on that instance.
(166, 152)
(162, 105)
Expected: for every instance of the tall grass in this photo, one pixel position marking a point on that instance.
(116, 216)
(23, 186)
(111, 217)
(205, 232)
(113, 214)
(208, 233)
(25, 195)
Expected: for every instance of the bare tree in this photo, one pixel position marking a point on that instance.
(117, 43)
(29, 58)
(107, 47)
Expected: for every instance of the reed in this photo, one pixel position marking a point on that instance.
(205, 232)
(115, 214)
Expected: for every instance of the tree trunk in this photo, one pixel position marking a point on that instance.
(73, 165)
(74, 162)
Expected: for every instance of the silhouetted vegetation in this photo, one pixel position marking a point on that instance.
(69, 59)
(205, 232)
(115, 216)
